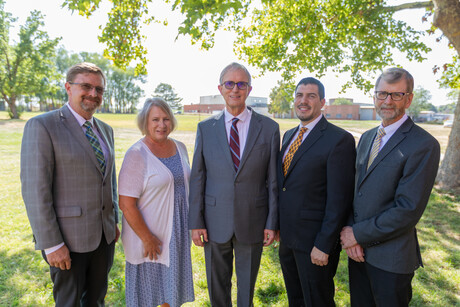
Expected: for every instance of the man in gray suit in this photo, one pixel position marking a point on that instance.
(396, 167)
(69, 190)
(233, 190)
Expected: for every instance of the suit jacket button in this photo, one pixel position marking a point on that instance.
(360, 194)
(103, 207)
(284, 189)
(356, 214)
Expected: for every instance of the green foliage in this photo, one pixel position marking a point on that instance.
(352, 37)
(451, 74)
(420, 102)
(281, 97)
(447, 108)
(26, 67)
(122, 92)
(342, 101)
(167, 93)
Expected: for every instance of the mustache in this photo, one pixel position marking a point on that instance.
(304, 105)
(94, 99)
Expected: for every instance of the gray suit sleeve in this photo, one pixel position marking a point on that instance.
(197, 185)
(37, 168)
(410, 199)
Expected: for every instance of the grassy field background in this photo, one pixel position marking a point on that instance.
(24, 276)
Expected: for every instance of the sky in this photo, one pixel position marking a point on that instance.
(193, 72)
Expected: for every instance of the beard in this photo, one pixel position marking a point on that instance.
(390, 113)
(304, 117)
(90, 104)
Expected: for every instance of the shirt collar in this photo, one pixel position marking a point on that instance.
(312, 124)
(243, 116)
(80, 119)
(390, 129)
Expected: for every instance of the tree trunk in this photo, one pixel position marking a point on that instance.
(447, 19)
(13, 108)
(449, 173)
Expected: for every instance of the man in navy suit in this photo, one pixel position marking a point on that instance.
(396, 167)
(315, 180)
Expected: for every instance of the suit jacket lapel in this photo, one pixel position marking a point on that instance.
(254, 130)
(366, 143)
(395, 139)
(222, 139)
(108, 144)
(69, 121)
(312, 137)
(286, 141)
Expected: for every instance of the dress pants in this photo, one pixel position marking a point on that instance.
(307, 284)
(371, 286)
(85, 284)
(219, 270)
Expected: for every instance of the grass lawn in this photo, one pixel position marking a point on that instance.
(24, 276)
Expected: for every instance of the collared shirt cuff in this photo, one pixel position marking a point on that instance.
(53, 249)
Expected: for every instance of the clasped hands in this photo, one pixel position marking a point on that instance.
(200, 236)
(351, 246)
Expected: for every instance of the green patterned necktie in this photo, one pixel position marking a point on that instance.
(376, 146)
(92, 138)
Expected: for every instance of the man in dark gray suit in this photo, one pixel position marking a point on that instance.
(69, 190)
(233, 190)
(396, 167)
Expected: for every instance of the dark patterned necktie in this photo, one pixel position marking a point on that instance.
(92, 138)
(235, 144)
(293, 149)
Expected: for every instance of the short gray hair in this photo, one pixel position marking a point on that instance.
(84, 68)
(143, 115)
(394, 75)
(234, 66)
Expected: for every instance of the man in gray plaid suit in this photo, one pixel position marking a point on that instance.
(69, 190)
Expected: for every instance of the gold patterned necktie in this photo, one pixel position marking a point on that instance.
(292, 150)
(376, 146)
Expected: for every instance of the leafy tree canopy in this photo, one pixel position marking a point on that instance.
(354, 37)
(167, 93)
(26, 67)
(420, 102)
(281, 97)
(342, 101)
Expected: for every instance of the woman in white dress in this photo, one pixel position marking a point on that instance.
(153, 189)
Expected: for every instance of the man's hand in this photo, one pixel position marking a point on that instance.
(199, 236)
(347, 238)
(117, 233)
(269, 236)
(318, 257)
(356, 252)
(60, 258)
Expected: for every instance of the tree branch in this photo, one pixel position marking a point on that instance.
(412, 5)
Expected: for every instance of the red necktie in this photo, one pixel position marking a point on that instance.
(235, 144)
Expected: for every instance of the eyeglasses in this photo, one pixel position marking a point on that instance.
(396, 96)
(230, 85)
(88, 87)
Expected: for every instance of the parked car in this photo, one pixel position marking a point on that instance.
(448, 123)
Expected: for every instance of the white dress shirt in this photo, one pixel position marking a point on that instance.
(242, 125)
